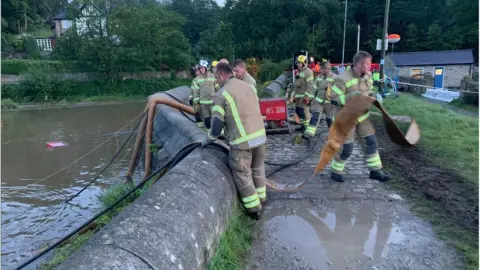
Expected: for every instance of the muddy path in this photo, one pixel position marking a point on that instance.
(425, 179)
(358, 224)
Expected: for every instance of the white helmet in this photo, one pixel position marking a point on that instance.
(204, 63)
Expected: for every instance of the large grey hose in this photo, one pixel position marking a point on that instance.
(274, 89)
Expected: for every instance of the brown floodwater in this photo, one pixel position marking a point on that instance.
(34, 214)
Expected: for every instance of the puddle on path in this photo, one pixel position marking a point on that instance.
(338, 239)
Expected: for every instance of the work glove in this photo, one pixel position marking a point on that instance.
(207, 141)
(190, 101)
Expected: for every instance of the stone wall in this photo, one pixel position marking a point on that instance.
(426, 80)
(85, 77)
(178, 221)
(453, 73)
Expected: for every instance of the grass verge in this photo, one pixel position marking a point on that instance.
(235, 243)
(464, 240)
(449, 138)
(108, 198)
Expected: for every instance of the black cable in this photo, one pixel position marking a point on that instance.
(179, 101)
(180, 155)
(109, 163)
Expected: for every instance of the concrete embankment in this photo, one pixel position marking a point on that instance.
(177, 223)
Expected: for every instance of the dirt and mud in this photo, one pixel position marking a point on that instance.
(358, 224)
(428, 180)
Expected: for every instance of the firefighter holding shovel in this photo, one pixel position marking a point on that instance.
(357, 80)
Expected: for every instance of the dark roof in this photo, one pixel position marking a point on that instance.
(454, 57)
(61, 16)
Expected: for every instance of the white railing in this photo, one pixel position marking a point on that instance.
(44, 44)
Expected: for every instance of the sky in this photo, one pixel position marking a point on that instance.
(220, 2)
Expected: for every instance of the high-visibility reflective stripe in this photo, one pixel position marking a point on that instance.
(338, 166)
(206, 102)
(351, 83)
(340, 94)
(374, 161)
(319, 99)
(250, 198)
(196, 99)
(374, 158)
(236, 117)
(262, 192)
(300, 95)
(261, 189)
(319, 79)
(363, 117)
(195, 87)
(252, 204)
(370, 80)
(205, 79)
(301, 75)
(309, 79)
(218, 109)
(253, 88)
(249, 137)
(190, 97)
(330, 79)
(211, 137)
(311, 130)
(309, 95)
(327, 101)
(374, 164)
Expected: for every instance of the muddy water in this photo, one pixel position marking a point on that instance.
(335, 239)
(33, 212)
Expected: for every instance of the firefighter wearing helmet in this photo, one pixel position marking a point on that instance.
(304, 90)
(214, 68)
(357, 80)
(320, 104)
(203, 93)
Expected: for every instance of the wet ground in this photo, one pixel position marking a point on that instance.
(358, 224)
(33, 212)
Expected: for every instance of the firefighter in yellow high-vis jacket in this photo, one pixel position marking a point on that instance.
(357, 80)
(236, 109)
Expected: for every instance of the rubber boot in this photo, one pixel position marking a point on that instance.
(379, 175)
(306, 137)
(329, 122)
(338, 177)
(255, 215)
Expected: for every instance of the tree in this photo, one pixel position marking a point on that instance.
(135, 39)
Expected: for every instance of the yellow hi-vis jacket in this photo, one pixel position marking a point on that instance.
(324, 84)
(249, 79)
(236, 109)
(304, 85)
(349, 84)
(203, 89)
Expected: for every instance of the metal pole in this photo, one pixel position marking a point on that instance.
(358, 37)
(344, 29)
(384, 40)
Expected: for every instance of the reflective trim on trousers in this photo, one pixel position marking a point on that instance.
(262, 192)
(338, 166)
(251, 201)
(311, 130)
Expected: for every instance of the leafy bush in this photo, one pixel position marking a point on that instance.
(270, 70)
(19, 66)
(43, 84)
(31, 48)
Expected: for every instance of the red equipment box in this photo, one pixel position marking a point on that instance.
(274, 109)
